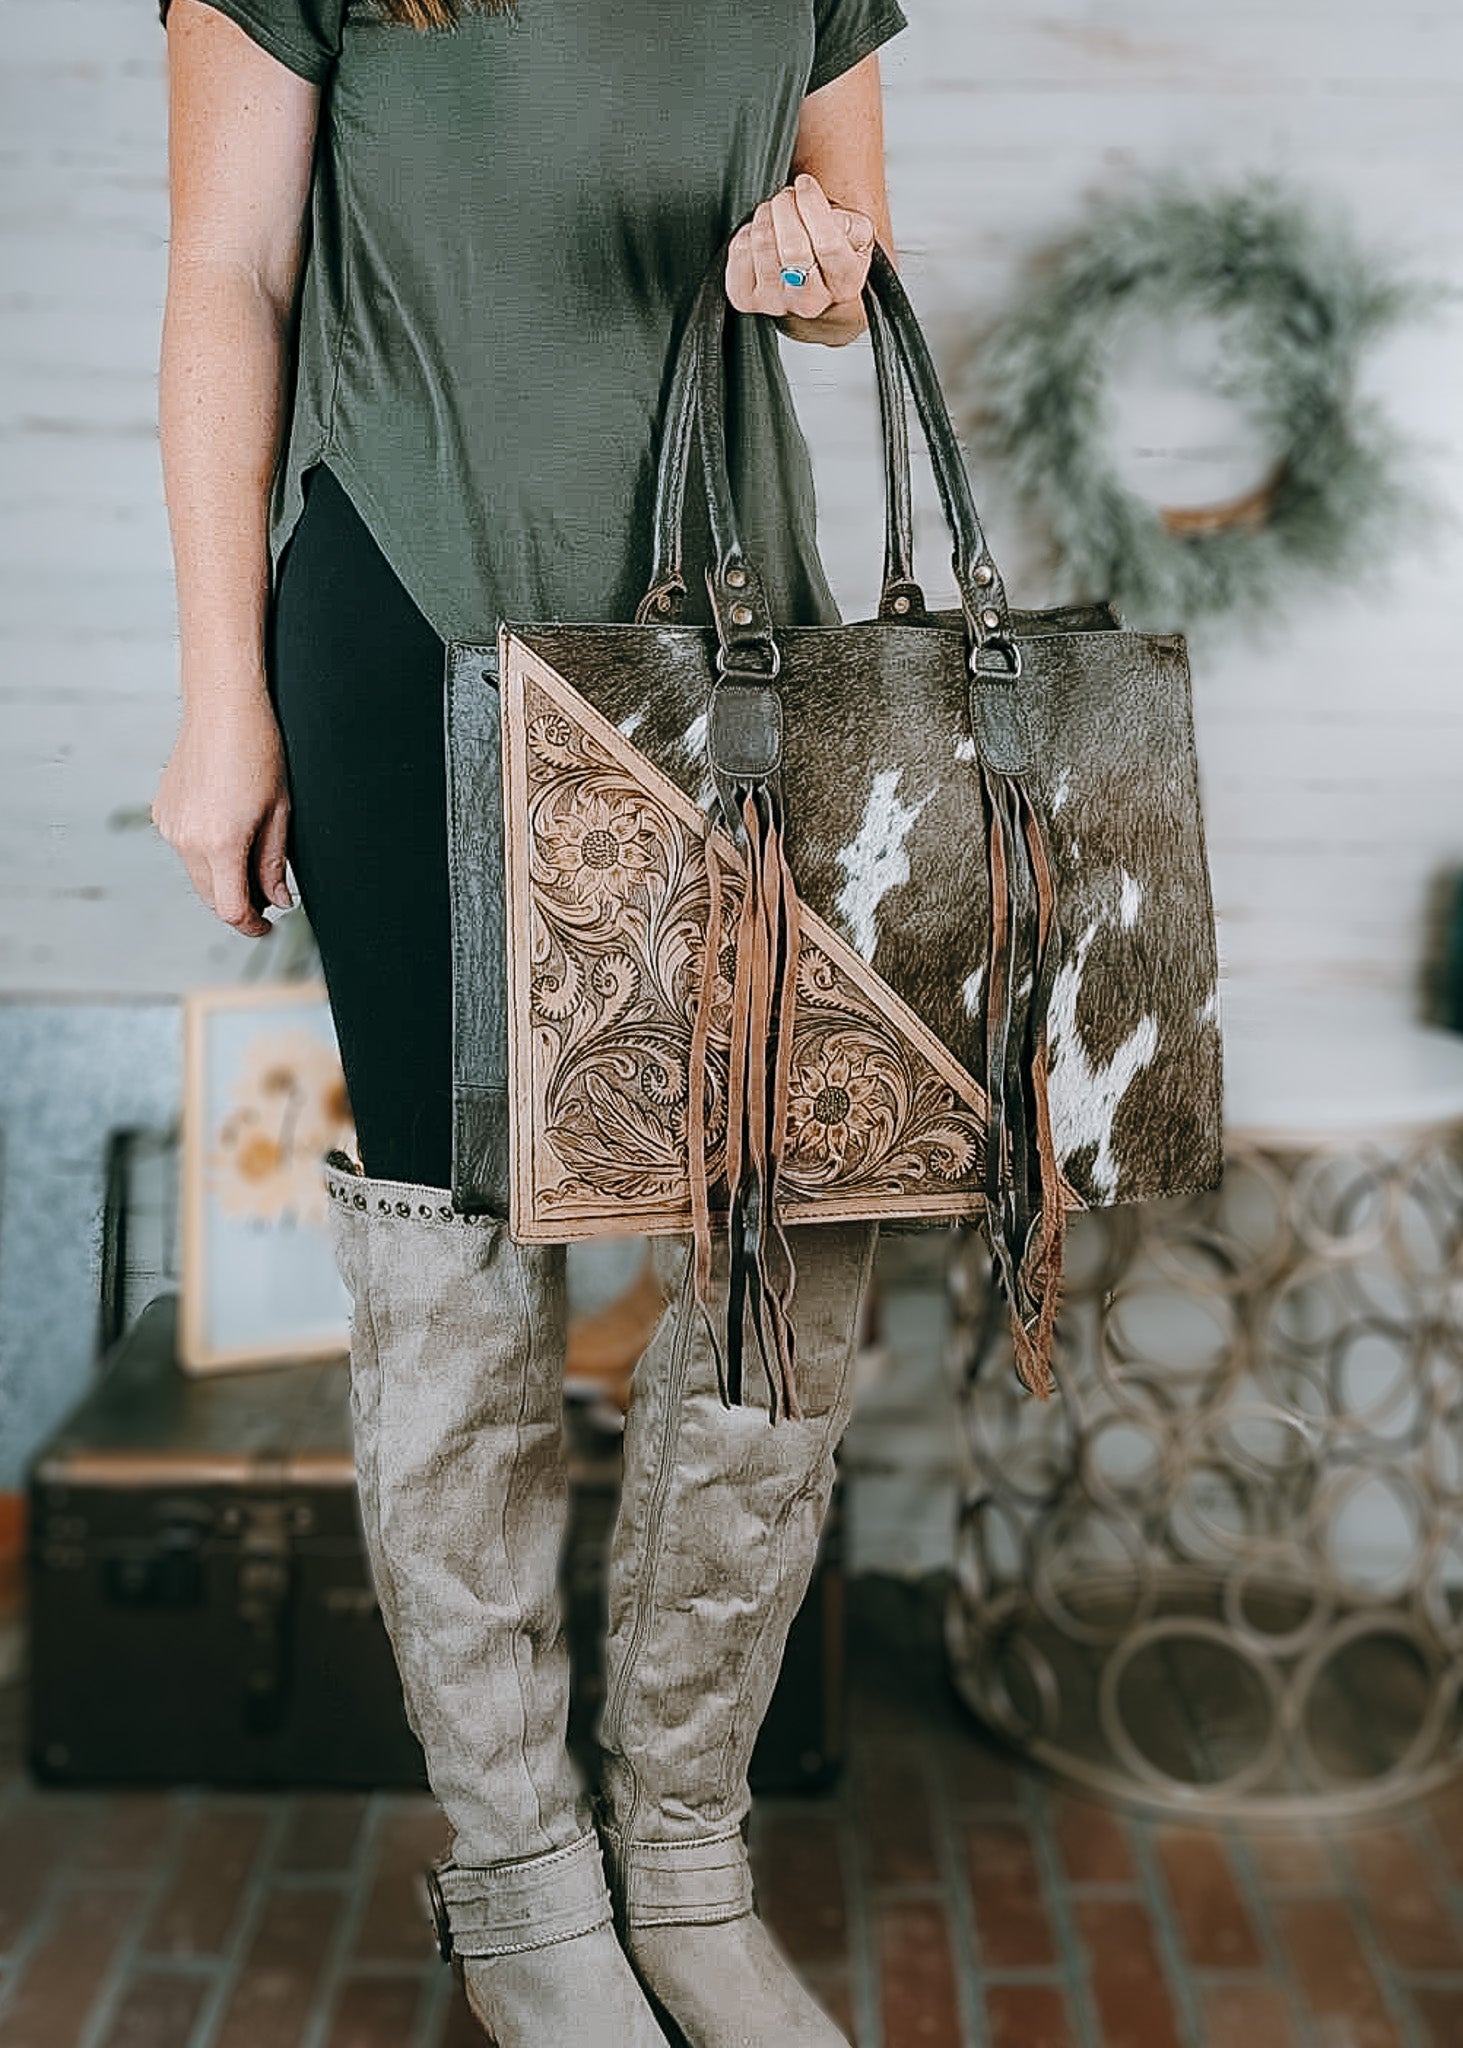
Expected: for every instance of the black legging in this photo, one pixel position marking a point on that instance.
(356, 674)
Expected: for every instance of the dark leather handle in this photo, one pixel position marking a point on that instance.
(901, 597)
(748, 646)
(982, 589)
(666, 591)
(744, 627)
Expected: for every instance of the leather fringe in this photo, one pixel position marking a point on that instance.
(762, 1274)
(1025, 1214)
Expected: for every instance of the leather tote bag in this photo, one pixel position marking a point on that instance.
(902, 919)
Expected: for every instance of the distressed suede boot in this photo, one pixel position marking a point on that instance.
(714, 1548)
(457, 1351)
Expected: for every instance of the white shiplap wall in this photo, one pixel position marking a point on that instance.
(1331, 747)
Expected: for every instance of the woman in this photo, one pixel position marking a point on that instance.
(430, 260)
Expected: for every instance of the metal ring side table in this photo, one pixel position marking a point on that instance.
(1221, 1573)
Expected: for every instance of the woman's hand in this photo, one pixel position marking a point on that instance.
(800, 229)
(222, 805)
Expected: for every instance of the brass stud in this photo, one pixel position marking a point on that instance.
(984, 574)
(991, 619)
(901, 604)
(741, 615)
(737, 578)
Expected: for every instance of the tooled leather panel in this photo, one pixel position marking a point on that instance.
(884, 834)
(609, 902)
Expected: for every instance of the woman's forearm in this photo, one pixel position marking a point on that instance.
(241, 141)
(221, 415)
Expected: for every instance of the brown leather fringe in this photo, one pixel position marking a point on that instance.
(1045, 1275)
(1025, 1213)
(697, 1080)
(761, 1271)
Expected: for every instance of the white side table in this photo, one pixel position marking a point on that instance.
(1222, 1572)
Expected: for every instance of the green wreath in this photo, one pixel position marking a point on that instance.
(1299, 304)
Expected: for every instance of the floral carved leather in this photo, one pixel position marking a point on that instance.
(908, 918)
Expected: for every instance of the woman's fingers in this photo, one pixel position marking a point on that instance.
(233, 899)
(829, 233)
(799, 229)
(220, 878)
(753, 281)
(741, 273)
(269, 858)
(200, 874)
(858, 227)
(772, 293)
(795, 252)
(223, 806)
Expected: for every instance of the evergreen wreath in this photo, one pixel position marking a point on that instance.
(1298, 302)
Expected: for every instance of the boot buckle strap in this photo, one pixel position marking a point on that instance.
(504, 1909)
(676, 1883)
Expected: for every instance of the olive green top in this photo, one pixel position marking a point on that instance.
(509, 223)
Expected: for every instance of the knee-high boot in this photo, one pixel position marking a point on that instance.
(714, 1548)
(457, 1349)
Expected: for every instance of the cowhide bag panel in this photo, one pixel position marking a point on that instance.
(884, 837)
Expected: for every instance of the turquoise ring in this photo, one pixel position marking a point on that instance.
(794, 277)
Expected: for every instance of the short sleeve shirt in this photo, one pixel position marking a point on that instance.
(509, 223)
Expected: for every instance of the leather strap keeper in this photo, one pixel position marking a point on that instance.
(677, 1884)
(504, 1909)
(744, 729)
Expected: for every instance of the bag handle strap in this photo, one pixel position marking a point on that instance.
(666, 592)
(901, 597)
(978, 579)
(744, 626)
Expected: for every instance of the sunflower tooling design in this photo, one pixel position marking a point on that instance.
(618, 912)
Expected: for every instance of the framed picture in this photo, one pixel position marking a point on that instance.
(264, 1099)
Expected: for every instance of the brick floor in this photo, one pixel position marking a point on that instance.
(940, 1897)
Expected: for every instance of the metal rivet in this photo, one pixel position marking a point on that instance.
(741, 615)
(901, 604)
(663, 602)
(984, 574)
(991, 619)
(737, 578)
